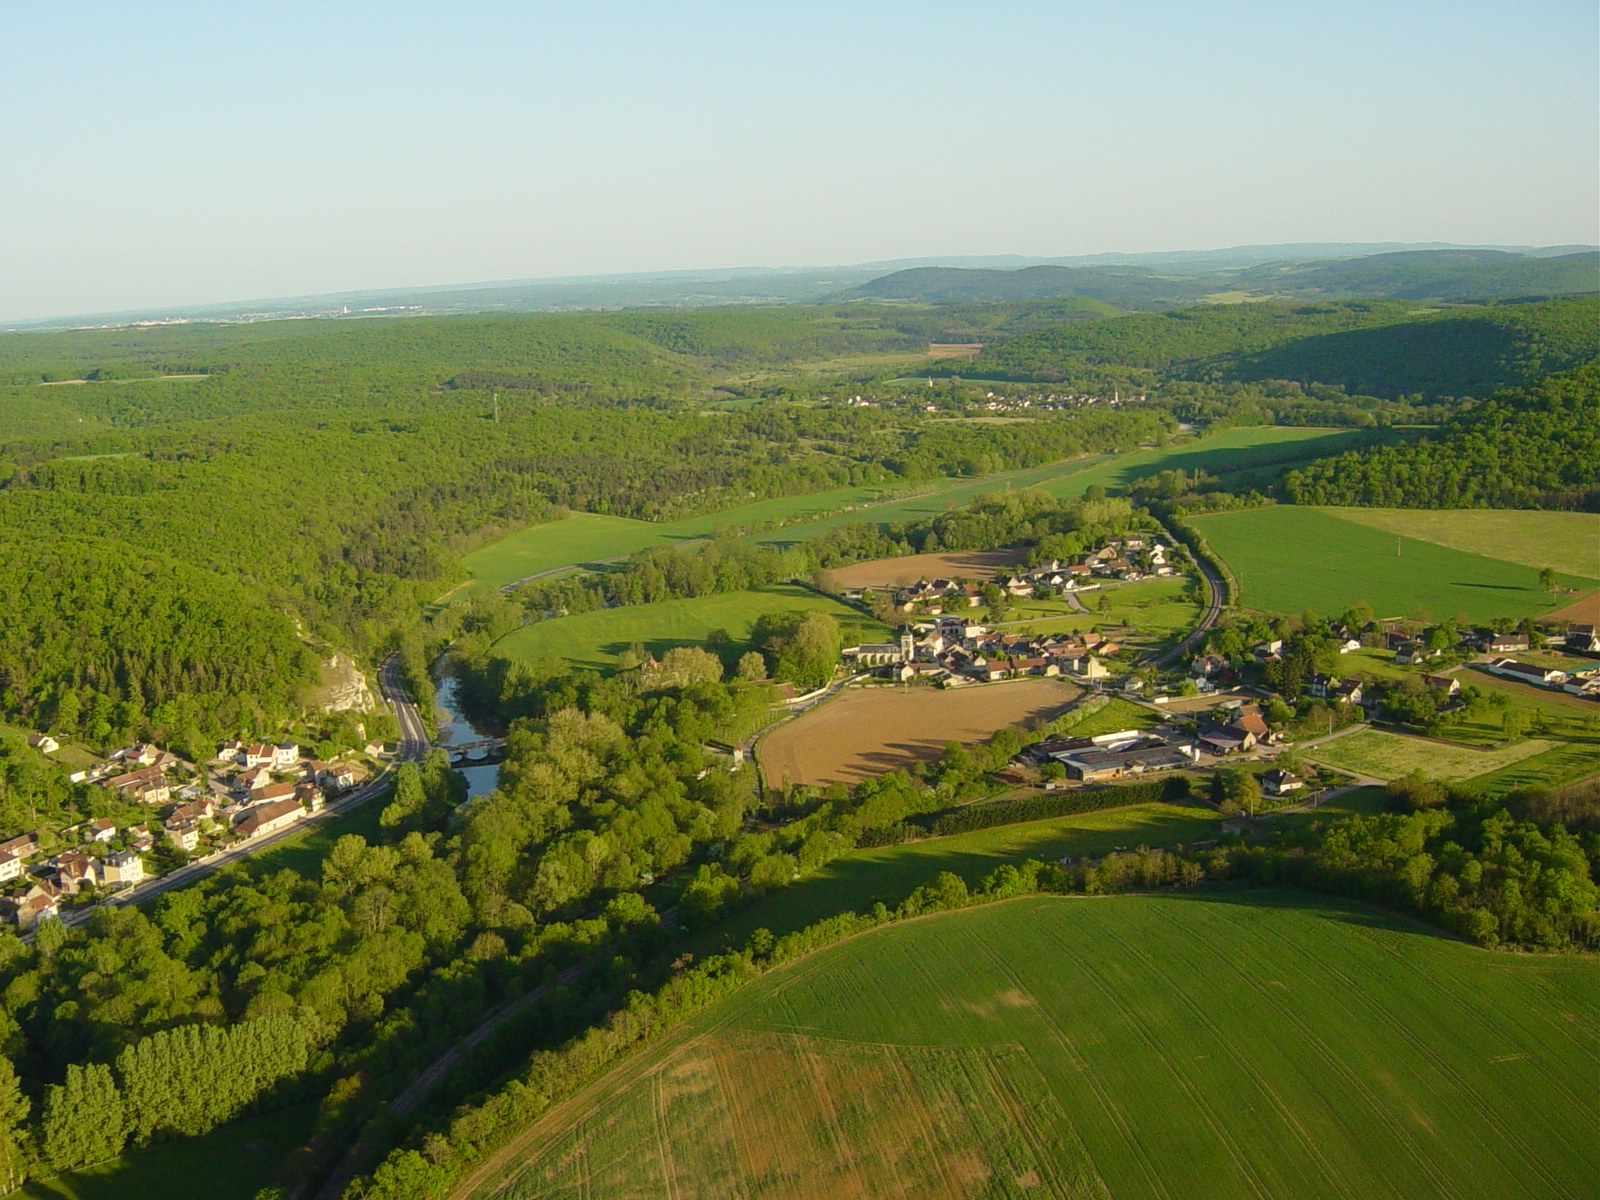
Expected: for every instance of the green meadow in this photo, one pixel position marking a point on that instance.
(1394, 755)
(594, 639)
(1241, 457)
(1193, 1045)
(593, 537)
(855, 881)
(1288, 559)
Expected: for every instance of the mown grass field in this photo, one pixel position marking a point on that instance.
(1566, 541)
(1288, 559)
(1211, 1044)
(1115, 716)
(594, 639)
(1393, 755)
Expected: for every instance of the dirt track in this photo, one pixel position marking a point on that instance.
(869, 731)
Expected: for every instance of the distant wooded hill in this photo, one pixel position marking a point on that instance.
(1375, 348)
(1434, 275)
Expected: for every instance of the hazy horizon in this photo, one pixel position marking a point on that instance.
(176, 158)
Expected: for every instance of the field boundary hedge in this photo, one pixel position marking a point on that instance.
(1190, 535)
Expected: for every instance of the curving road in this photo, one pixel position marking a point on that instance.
(1217, 589)
(413, 744)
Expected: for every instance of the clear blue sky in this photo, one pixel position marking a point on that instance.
(155, 154)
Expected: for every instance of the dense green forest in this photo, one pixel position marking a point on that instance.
(324, 478)
(1535, 447)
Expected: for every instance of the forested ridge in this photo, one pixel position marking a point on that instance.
(1380, 348)
(1535, 447)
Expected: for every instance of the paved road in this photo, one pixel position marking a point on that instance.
(413, 745)
(1218, 597)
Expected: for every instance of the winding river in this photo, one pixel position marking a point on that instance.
(454, 727)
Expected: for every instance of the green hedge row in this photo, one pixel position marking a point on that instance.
(1030, 808)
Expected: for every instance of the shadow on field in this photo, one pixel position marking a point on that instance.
(1340, 909)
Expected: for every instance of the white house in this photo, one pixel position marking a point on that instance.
(43, 743)
(123, 867)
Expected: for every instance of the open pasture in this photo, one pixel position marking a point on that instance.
(979, 565)
(1394, 755)
(867, 731)
(1288, 559)
(594, 639)
(1241, 458)
(593, 537)
(1565, 541)
(1215, 1044)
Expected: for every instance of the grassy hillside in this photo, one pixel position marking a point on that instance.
(594, 639)
(1196, 1046)
(1567, 541)
(1288, 559)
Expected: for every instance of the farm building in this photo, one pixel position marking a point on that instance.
(1145, 755)
(1510, 668)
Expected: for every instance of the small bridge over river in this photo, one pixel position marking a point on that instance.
(480, 753)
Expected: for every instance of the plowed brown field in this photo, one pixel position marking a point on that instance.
(868, 731)
(882, 572)
(1584, 611)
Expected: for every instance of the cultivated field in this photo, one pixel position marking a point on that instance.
(1566, 762)
(1288, 559)
(1218, 1044)
(886, 572)
(1567, 541)
(1393, 755)
(594, 639)
(868, 731)
(1585, 608)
